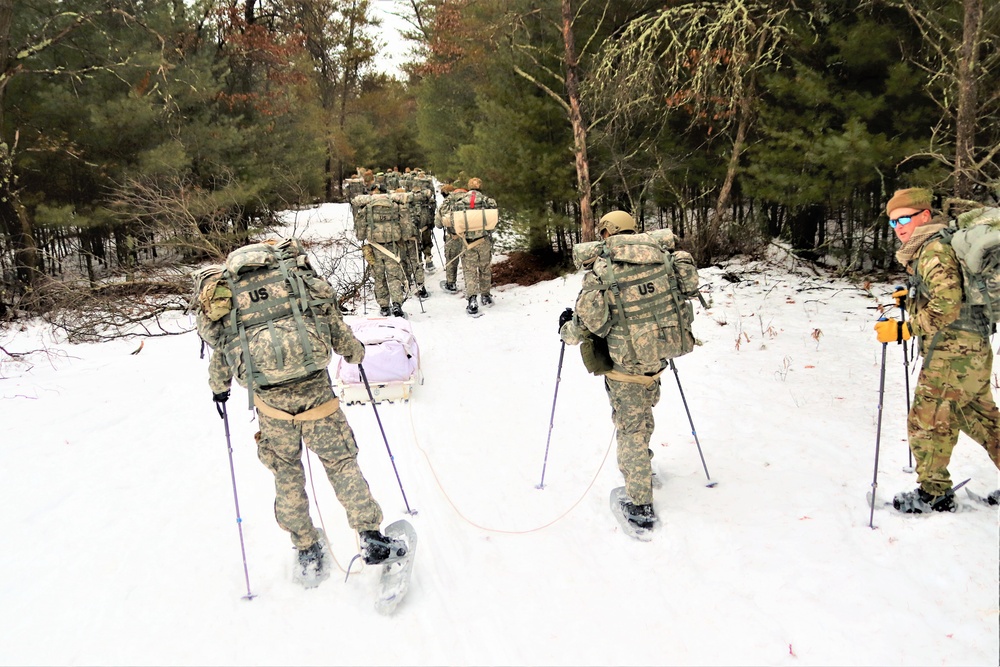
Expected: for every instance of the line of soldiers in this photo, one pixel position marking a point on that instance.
(396, 226)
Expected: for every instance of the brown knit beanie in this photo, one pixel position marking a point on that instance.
(917, 198)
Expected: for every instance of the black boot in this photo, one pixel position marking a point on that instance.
(384, 311)
(397, 310)
(487, 300)
(919, 501)
(422, 292)
(640, 516)
(473, 307)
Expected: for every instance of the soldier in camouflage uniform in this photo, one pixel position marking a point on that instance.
(409, 248)
(477, 258)
(633, 385)
(953, 390)
(425, 224)
(306, 411)
(452, 243)
(385, 253)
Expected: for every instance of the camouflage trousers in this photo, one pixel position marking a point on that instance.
(953, 394)
(413, 267)
(388, 274)
(632, 412)
(427, 243)
(279, 447)
(452, 251)
(477, 268)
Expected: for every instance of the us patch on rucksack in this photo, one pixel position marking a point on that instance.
(377, 218)
(637, 297)
(976, 242)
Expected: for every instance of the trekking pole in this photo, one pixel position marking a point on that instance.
(221, 407)
(694, 432)
(552, 417)
(434, 242)
(878, 434)
(392, 459)
(906, 376)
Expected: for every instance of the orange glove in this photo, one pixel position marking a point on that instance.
(892, 331)
(899, 296)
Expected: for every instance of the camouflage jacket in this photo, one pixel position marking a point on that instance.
(937, 313)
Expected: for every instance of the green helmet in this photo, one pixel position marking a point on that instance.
(616, 222)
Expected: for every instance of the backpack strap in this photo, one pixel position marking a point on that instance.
(611, 285)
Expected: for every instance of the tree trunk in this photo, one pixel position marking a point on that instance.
(13, 221)
(965, 121)
(576, 120)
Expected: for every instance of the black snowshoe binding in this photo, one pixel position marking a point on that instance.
(919, 501)
(422, 292)
(384, 311)
(487, 300)
(377, 548)
(397, 310)
(640, 516)
(449, 287)
(473, 307)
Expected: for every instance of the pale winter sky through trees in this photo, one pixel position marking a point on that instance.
(392, 52)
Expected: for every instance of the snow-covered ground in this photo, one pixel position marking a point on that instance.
(120, 544)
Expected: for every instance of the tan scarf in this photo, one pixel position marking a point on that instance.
(909, 250)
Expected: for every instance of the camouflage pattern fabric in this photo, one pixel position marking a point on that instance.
(388, 275)
(453, 245)
(221, 368)
(279, 442)
(936, 296)
(413, 268)
(452, 251)
(477, 267)
(953, 390)
(427, 243)
(655, 288)
(279, 447)
(632, 412)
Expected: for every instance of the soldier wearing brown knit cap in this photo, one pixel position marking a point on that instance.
(953, 392)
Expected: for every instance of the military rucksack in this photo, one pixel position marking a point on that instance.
(636, 297)
(274, 328)
(377, 219)
(471, 214)
(976, 242)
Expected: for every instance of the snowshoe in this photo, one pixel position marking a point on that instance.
(312, 565)
(636, 521)
(473, 307)
(397, 310)
(991, 500)
(919, 501)
(429, 267)
(449, 287)
(487, 300)
(422, 293)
